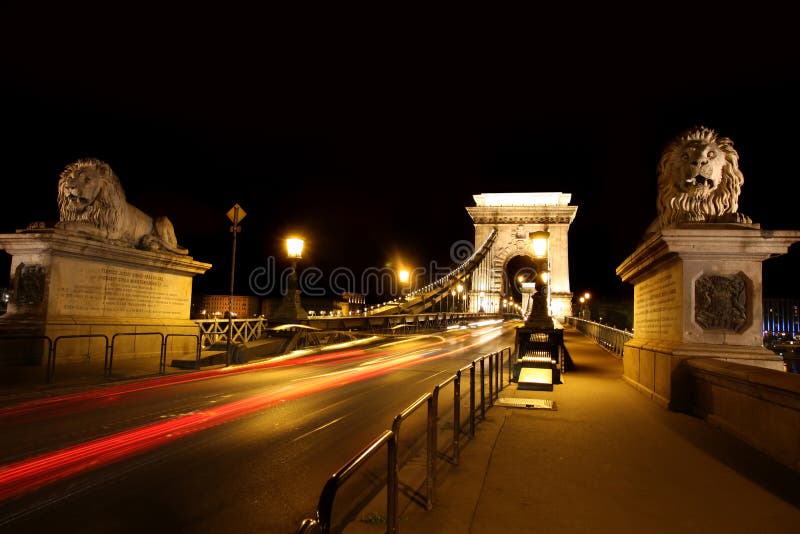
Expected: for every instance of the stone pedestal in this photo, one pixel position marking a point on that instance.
(697, 294)
(65, 284)
(291, 308)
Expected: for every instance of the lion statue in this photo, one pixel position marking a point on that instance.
(91, 201)
(699, 180)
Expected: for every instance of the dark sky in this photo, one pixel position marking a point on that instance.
(370, 139)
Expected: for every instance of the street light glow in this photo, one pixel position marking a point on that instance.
(294, 247)
(404, 276)
(539, 243)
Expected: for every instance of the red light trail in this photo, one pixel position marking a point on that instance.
(27, 475)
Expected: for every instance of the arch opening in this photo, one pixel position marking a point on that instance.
(518, 269)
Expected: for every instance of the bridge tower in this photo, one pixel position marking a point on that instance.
(515, 216)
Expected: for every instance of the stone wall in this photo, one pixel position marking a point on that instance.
(759, 406)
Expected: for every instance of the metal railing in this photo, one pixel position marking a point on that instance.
(611, 338)
(161, 352)
(108, 349)
(214, 331)
(51, 359)
(322, 521)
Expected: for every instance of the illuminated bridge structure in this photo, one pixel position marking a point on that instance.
(503, 224)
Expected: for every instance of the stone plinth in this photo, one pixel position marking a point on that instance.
(291, 309)
(697, 294)
(65, 284)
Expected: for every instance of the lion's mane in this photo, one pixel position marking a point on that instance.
(104, 211)
(679, 202)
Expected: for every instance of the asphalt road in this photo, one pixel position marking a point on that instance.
(240, 450)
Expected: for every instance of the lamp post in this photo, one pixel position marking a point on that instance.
(460, 289)
(539, 342)
(404, 277)
(291, 308)
(294, 251)
(540, 310)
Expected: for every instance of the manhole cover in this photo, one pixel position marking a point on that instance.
(531, 404)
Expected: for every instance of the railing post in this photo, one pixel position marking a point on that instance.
(483, 396)
(500, 370)
(491, 379)
(497, 375)
(392, 478)
(430, 482)
(456, 415)
(162, 362)
(472, 400)
(510, 365)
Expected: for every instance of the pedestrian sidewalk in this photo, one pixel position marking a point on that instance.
(607, 459)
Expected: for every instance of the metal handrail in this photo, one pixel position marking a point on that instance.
(510, 364)
(612, 339)
(162, 366)
(471, 368)
(51, 362)
(483, 396)
(328, 495)
(456, 380)
(430, 427)
(322, 520)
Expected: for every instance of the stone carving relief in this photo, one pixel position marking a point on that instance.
(29, 284)
(720, 302)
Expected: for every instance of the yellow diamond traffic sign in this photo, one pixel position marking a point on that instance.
(233, 216)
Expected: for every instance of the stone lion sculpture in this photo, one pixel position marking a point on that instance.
(91, 201)
(699, 180)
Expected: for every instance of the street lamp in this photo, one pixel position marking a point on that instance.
(540, 312)
(586, 312)
(294, 248)
(291, 308)
(540, 242)
(404, 277)
(460, 289)
(452, 300)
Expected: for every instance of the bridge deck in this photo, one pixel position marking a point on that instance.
(608, 459)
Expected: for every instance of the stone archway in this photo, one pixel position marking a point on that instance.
(518, 270)
(515, 216)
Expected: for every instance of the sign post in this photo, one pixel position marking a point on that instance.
(235, 214)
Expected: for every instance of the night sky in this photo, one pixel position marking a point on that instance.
(370, 140)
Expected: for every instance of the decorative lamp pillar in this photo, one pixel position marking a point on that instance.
(540, 310)
(291, 308)
(539, 342)
(586, 311)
